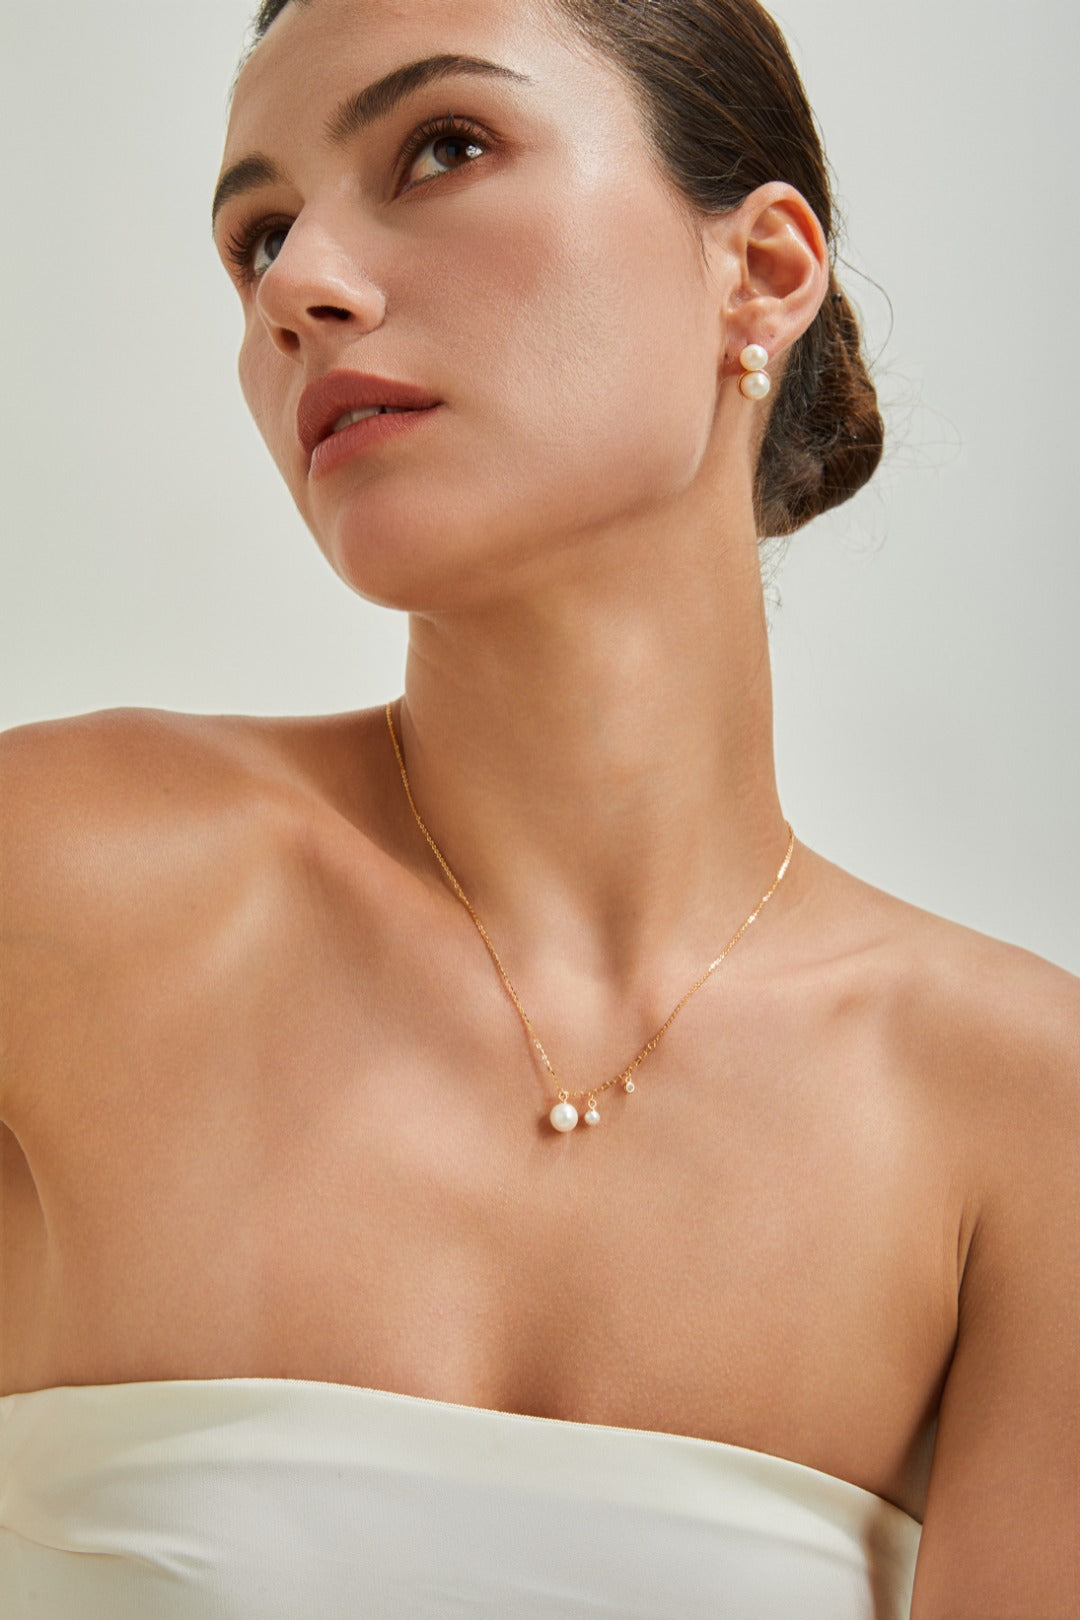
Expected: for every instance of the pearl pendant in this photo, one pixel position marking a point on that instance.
(564, 1116)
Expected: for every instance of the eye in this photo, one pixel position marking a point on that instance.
(449, 132)
(460, 137)
(240, 246)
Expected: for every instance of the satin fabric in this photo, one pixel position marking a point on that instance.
(280, 1499)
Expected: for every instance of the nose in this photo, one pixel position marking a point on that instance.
(314, 291)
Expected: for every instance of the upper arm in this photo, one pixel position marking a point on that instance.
(29, 790)
(1001, 1534)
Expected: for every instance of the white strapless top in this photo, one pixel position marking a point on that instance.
(291, 1499)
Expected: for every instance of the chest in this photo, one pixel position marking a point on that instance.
(758, 1246)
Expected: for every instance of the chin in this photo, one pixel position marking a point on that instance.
(415, 566)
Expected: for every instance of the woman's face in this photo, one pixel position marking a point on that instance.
(533, 272)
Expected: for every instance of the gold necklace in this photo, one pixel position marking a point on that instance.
(564, 1116)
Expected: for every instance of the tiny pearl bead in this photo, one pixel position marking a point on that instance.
(755, 385)
(564, 1116)
(592, 1117)
(754, 357)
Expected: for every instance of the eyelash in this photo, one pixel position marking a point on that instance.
(239, 245)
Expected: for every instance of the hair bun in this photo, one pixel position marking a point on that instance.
(825, 437)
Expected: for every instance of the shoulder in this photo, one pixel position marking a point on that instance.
(100, 803)
(86, 785)
(987, 1013)
(997, 1032)
(133, 836)
(1004, 1021)
(1004, 1030)
(134, 738)
(986, 1032)
(99, 808)
(988, 1037)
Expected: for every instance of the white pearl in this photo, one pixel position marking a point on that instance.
(755, 385)
(754, 357)
(563, 1116)
(592, 1117)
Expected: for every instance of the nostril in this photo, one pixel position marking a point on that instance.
(331, 309)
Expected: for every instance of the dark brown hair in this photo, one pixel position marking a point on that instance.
(725, 111)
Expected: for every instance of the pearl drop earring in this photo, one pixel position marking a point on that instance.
(757, 382)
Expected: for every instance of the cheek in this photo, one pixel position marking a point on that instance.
(573, 335)
(581, 352)
(601, 351)
(259, 369)
(251, 369)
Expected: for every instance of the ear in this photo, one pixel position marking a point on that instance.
(776, 271)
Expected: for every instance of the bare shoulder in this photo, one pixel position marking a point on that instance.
(988, 1031)
(74, 792)
(1001, 1026)
(103, 804)
(992, 1014)
(126, 832)
(993, 1032)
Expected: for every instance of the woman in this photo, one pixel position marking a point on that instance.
(475, 1140)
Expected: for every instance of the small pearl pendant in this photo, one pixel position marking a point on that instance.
(592, 1117)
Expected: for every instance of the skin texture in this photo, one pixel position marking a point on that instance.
(269, 1110)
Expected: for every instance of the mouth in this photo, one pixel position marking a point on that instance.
(357, 431)
(361, 416)
(344, 400)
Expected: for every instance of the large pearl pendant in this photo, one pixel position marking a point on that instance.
(564, 1116)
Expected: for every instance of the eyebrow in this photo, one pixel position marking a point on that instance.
(356, 113)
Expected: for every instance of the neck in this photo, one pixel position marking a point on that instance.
(595, 761)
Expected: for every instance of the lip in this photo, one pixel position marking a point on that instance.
(330, 453)
(326, 401)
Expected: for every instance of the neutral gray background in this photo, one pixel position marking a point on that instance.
(924, 638)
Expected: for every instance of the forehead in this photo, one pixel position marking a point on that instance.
(320, 51)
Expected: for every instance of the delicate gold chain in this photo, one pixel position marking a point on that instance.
(624, 1074)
